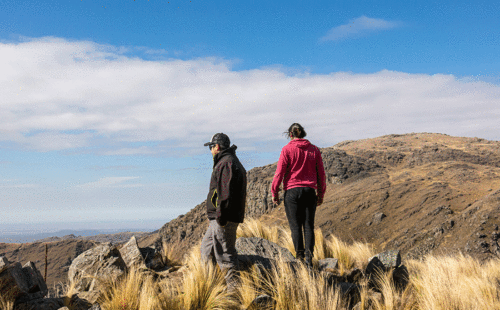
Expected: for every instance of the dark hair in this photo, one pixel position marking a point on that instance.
(296, 130)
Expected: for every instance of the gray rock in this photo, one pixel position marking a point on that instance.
(13, 282)
(153, 258)
(102, 262)
(378, 217)
(41, 304)
(95, 306)
(401, 277)
(349, 291)
(35, 282)
(261, 251)
(374, 266)
(390, 259)
(131, 254)
(262, 302)
(21, 284)
(3, 263)
(353, 276)
(327, 264)
(494, 236)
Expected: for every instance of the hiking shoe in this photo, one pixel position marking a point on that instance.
(300, 256)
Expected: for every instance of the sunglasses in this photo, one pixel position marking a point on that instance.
(211, 146)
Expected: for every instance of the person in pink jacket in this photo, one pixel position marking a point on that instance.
(300, 168)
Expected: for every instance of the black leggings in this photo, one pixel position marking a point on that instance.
(300, 208)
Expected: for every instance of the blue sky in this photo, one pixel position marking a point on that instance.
(105, 105)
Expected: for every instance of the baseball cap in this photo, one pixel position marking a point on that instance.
(221, 139)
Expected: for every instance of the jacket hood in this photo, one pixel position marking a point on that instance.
(300, 143)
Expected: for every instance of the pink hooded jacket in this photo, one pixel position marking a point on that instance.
(300, 165)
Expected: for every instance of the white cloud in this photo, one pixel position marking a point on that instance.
(357, 27)
(60, 95)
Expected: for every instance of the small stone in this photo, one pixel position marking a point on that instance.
(389, 259)
(3, 263)
(378, 217)
(484, 244)
(353, 276)
(262, 302)
(328, 264)
(495, 236)
(374, 266)
(481, 236)
(368, 224)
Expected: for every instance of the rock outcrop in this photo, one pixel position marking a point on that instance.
(101, 263)
(21, 283)
(260, 251)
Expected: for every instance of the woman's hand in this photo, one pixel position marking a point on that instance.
(276, 200)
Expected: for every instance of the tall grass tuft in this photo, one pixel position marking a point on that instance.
(203, 286)
(123, 294)
(349, 256)
(457, 282)
(6, 304)
(170, 254)
(296, 288)
(254, 228)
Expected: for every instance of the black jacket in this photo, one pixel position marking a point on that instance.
(228, 188)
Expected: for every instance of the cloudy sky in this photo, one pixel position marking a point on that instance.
(105, 105)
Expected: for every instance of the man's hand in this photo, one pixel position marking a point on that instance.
(319, 202)
(276, 200)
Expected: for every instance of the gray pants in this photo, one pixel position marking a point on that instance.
(218, 246)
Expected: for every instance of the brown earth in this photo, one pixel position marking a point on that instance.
(420, 193)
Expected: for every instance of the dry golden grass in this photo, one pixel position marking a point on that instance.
(170, 254)
(254, 228)
(435, 283)
(203, 286)
(6, 304)
(457, 282)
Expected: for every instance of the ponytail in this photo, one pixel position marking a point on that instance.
(296, 131)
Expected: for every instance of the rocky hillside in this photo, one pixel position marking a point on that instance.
(421, 193)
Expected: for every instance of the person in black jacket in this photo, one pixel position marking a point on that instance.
(225, 207)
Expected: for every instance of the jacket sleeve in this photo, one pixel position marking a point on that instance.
(320, 173)
(279, 174)
(225, 175)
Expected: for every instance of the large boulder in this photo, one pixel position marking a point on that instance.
(260, 251)
(131, 254)
(41, 304)
(21, 283)
(142, 258)
(101, 263)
